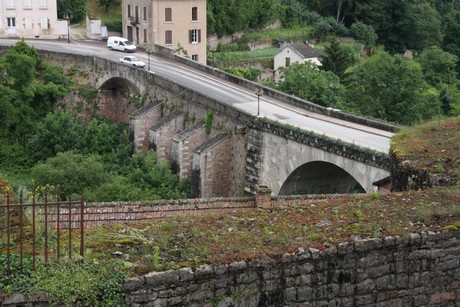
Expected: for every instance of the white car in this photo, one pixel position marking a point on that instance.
(132, 60)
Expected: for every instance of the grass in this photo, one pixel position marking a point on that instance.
(434, 146)
(223, 238)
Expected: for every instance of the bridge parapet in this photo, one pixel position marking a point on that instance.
(267, 91)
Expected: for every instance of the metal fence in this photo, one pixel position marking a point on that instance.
(24, 222)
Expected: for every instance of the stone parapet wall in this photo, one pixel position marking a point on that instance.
(414, 270)
(307, 105)
(96, 214)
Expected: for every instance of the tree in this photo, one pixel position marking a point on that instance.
(337, 58)
(69, 173)
(59, 131)
(391, 88)
(329, 26)
(451, 41)
(107, 3)
(306, 81)
(438, 66)
(364, 34)
(73, 9)
(420, 27)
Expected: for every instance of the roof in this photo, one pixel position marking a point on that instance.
(305, 51)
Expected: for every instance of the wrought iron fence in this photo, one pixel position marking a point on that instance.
(26, 223)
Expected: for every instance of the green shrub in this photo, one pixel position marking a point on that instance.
(247, 73)
(232, 47)
(114, 25)
(86, 283)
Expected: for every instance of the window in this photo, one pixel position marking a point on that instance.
(27, 4)
(195, 57)
(144, 9)
(145, 35)
(11, 22)
(28, 23)
(129, 10)
(195, 36)
(168, 37)
(43, 4)
(44, 23)
(194, 13)
(168, 14)
(10, 4)
(288, 62)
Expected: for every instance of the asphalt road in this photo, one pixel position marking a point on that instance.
(241, 98)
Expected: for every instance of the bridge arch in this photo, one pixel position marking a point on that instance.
(319, 177)
(119, 85)
(285, 159)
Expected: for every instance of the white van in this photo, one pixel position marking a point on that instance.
(120, 44)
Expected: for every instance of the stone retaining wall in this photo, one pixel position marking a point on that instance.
(415, 270)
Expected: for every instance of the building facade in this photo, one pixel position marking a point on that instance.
(294, 53)
(31, 19)
(176, 24)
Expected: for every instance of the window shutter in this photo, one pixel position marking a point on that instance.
(190, 36)
(199, 35)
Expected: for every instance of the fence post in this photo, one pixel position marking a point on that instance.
(82, 217)
(263, 197)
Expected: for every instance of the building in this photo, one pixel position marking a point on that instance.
(31, 19)
(294, 53)
(176, 24)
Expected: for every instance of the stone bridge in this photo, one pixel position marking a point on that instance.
(220, 150)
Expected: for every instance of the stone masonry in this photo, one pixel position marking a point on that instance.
(415, 270)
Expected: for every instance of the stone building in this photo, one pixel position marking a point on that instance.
(31, 19)
(176, 24)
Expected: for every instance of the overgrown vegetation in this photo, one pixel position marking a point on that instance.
(92, 282)
(434, 146)
(41, 144)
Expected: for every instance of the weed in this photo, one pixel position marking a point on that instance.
(358, 214)
(208, 121)
(156, 257)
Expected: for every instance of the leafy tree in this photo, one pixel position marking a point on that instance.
(70, 173)
(107, 3)
(451, 40)
(421, 27)
(391, 88)
(74, 9)
(110, 140)
(438, 66)
(147, 172)
(59, 131)
(119, 188)
(308, 82)
(449, 96)
(231, 16)
(329, 26)
(337, 58)
(364, 34)
(294, 13)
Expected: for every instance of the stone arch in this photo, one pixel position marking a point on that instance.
(115, 98)
(282, 157)
(319, 177)
(119, 85)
